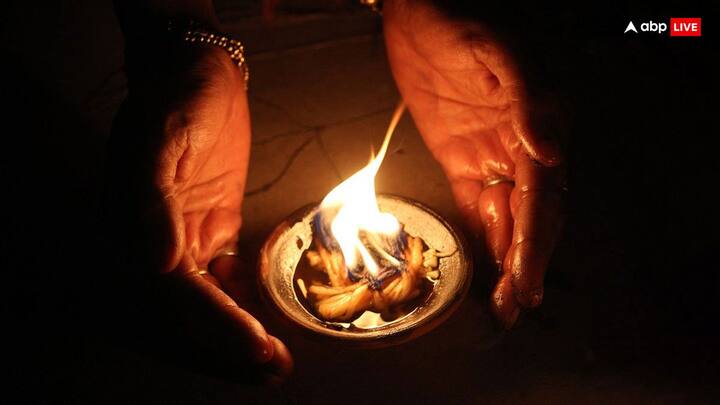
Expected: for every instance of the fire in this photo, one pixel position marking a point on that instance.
(355, 207)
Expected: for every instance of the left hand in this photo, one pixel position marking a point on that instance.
(472, 108)
(180, 152)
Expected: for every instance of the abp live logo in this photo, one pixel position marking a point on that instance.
(685, 27)
(679, 27)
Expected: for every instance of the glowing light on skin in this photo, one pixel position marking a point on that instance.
(357, 210)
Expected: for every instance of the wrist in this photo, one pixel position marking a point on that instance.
(146, 20)
(194, 34)
(167, 45)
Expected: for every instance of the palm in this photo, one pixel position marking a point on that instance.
(211, 168)
(465, 123)
(179, 162)
(468, 103)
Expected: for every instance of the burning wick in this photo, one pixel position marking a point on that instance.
(365, 259)
(352, 208)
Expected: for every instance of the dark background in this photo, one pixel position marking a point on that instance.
(635, 274)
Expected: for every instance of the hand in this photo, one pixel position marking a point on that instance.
(179, 158)
(471, 105)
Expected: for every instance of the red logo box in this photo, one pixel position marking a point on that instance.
(685, 27)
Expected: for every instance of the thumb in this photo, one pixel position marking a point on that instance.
(213, 318)
(187, 320)
(533, 123)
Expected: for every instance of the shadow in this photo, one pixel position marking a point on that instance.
(51, 255)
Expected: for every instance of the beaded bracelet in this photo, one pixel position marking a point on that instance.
(193, 32)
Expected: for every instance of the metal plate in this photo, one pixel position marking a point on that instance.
(285, 247)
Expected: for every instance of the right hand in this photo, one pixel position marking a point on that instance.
(471, 105)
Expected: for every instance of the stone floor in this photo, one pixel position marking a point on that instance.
(316, 115)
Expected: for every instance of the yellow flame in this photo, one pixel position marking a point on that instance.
(357, 210)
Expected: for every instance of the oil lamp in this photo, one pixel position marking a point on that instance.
(366, 269)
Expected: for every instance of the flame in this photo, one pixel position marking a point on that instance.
(357, 210)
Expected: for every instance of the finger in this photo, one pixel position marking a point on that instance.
(207, 232)
(279, 368)
(498, 223)
(528, 116)
(458, 156)
(510, 142)
(467, 196)
(190, 321)
(503, 304)
(210, 278)
(236, 280)
(494, 210)
(537, 204)
(213, 317)
(240, 284)
(530, 122)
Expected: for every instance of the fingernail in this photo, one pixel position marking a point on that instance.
(264, 350)
(265, 356)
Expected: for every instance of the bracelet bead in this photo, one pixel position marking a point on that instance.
(192, 32)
